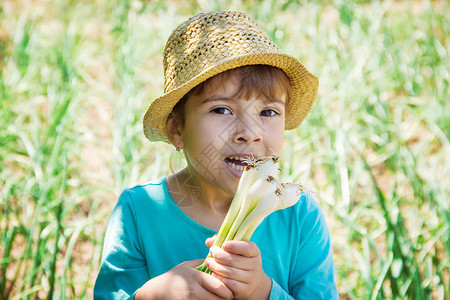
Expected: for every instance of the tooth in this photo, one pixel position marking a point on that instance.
(235, 166)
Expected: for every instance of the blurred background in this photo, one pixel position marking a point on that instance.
(77, 76)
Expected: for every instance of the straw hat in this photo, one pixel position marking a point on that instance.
(210, 43)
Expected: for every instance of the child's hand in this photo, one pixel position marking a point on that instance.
(184, 282)
(238, 264)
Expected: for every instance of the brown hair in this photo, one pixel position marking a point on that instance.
(254, 80)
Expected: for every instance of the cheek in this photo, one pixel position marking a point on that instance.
(200, 137)
(274, 137)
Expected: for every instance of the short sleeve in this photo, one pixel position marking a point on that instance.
(123, 270)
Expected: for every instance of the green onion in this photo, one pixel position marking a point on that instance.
(259, 194)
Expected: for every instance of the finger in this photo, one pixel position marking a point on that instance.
(243, 290)
(228, 271)
(235, 285)
(210, 241)
(247, 249)
(206, 294)
(215, 286)
(233, 260)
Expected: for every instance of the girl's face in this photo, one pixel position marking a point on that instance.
(220, 130)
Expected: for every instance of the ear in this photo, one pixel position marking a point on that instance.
(174, 132)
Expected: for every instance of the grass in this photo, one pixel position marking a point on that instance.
(77, 76)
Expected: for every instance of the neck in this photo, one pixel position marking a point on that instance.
(193, 190)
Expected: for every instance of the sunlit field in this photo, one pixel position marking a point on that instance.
(77, 76)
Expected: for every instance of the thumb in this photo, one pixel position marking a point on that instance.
(192, 263)
(210, 241)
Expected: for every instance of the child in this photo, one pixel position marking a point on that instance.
(229, 95)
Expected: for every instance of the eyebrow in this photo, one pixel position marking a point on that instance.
(274, 100)
(217, 99)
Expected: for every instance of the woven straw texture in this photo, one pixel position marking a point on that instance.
(210, 43)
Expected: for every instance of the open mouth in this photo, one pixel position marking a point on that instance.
(236, 163)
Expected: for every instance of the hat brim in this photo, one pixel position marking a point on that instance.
(304, 91)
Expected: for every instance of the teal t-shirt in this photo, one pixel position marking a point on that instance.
(148, 234)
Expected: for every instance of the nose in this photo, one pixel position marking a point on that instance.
(247, 130)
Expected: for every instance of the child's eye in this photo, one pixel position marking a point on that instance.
(269, 113)
(221, 111)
